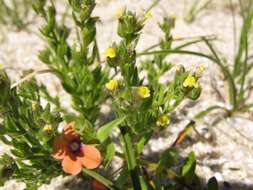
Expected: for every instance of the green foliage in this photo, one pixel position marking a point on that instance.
(137, 103)
(158, 66)
(77, 67)
(195, 9)
(16, 13)
(104, 131)
(129, 26)
(30, 145)
(5, 89)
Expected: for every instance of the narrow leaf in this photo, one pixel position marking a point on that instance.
(104, 131)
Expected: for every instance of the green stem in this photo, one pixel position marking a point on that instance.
(194, 40)
(130, 158)
(245, 68)
(177, 51)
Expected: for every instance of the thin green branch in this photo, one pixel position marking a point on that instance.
(130, 158)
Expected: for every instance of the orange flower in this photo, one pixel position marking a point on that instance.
(96, 185)
(69, 148)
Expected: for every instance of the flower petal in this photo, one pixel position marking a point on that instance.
(59, 147)
(71, 165)
(69, 126)
(92, 157)
(69, 132)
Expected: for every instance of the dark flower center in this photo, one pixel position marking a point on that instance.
(75, 146)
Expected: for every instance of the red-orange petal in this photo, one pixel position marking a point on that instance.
(69, 132)
(59, 147)
(92, 157)
(71, 165)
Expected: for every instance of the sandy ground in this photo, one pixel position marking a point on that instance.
(228, 153)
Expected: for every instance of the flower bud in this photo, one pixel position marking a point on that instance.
(129, 26)
(82, 8)
(48, 129)
(163, 120)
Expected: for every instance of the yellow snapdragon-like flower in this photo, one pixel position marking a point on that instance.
(112, 85)
(148, 15)
(48, 128)
(110, 52)
(143, 91)
(163, 120)
(190, 82)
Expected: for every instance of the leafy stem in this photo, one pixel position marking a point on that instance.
(130, 158)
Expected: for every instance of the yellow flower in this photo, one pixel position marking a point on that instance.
(112, 84)
(163, 120)
(143, 91)
(1, 67)
(110, 52)
(120, 11)
(48, 128)
(191, 82)
(148, 15)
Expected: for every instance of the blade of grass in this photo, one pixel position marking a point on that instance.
(244, 39)
(247, 24)
(246, 108)
(177, 51)
(244, 73)
(194, 42)
(203, 113)
(195, 39)
(227, 74)
(234, 27)
(183, 133)
(192, 123)
(153, 5)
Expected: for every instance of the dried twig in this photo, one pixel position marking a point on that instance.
(30, 76)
